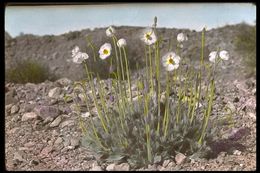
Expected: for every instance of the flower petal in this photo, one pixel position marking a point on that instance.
(224, 55)
(213, 56)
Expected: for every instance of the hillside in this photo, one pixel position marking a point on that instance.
(55, 51)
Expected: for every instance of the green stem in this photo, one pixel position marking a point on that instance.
(151, 68)
(128, 75)
(95, 99)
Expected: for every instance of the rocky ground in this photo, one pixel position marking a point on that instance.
(42, 131)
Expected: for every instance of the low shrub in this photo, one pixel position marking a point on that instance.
(25, 71)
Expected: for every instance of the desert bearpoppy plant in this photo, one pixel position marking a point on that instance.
(160, 120)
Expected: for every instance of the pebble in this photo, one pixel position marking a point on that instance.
(122, 167)
(85, 115)
(45, 151)
(29, 116)
(55, 92)
(74, 142)
(64, 82)
(14, 109)
(237, 152)
(180, 158)
(252, 115)
(66, 142)
(96, 168)
(29, 144)
(18, 157)
(47, 120)
(8, 107)
(47, 111)
(236, 99)
(34, 162)
(111, 167)
(58, 141)
(56, 122)
(165, 163)
(67, 123)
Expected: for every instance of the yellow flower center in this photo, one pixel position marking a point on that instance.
(105, 51)
(148, 36)
(170, 61)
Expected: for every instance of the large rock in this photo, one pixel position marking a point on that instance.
(47, 111)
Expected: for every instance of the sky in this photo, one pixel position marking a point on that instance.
(56, 20)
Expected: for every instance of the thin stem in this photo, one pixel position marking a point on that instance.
(128, 75)
(151, 68)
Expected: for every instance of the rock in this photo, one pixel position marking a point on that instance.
(122, 167)
(34, 162)
(165, 163)
(54, 101)
(14, 130)
(10, 97)
(29, 116)
(47, 111)
(45, 151)
(231, 106)
(18, 157)
(58, 141)
(111, 167)
(236, 99)
(8, 107)
(64, 82)
(67, 123)
(74, 142)
(66, 142)
(152, 167)
(29, 107)
(29, 144)
(96, 168)
(47, 120)
(56, 122)
(237, 152)
(252, 115)
(180, 158)
(14, 109)
(85, 115)
(254, 91)
(30, 95)
(55, 92)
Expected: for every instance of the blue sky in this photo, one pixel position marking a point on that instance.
(42, 20)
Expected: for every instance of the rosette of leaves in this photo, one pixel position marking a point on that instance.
(181, 137)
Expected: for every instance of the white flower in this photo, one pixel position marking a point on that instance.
(181, 37)
(170, 61)
(105, 50)
(148, 36)
(78, 57)
(213, 56)
(224, 55)
(75, 50)
(121, 42)
(110, 31)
